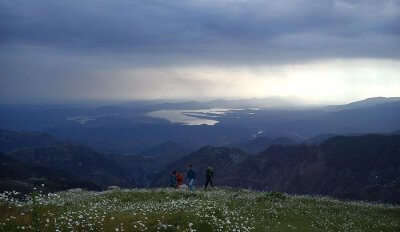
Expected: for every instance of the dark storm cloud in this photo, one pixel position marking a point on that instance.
(123, 49)
(207, 29)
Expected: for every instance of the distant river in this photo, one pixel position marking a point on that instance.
(191, 117)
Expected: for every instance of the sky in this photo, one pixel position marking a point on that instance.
(322, 51)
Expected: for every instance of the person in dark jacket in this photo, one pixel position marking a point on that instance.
(191, 177)
(209, 177)
(172, 179)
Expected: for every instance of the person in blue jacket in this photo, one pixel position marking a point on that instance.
(191, 177)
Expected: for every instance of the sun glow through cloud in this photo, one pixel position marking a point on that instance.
(331, 81)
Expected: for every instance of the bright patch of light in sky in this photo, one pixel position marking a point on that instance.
(333, 81)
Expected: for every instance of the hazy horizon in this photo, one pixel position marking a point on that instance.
(275, 101)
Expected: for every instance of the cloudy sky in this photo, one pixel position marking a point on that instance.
(316, 51)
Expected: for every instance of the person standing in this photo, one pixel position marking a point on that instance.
(191, 176)
(209, 177)
(179, 179)
(172, 179)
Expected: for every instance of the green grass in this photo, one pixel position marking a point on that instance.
(179, 210)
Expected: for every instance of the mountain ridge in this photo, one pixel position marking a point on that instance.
(337, 168)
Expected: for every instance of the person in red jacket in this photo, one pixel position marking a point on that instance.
(179, 179)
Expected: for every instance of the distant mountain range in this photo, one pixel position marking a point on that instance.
(23, 177)
(376, 118)
(261, 143)
(316, 140)
(127, 128)
(223, 159)
(12, 140)
(369, 102)
(79, 161)
(350, 167)
(144, 167)
(37, 156)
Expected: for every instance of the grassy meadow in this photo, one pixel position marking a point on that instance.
(220, 209)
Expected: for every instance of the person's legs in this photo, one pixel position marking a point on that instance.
(191, 184)
(207, 182)
(211, 182)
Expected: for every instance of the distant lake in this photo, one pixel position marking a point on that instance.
(191, 117)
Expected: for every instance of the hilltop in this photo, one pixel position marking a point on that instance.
(180, 210)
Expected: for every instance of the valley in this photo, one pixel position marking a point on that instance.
(356, 162)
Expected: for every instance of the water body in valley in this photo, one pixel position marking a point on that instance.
(191, 117)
